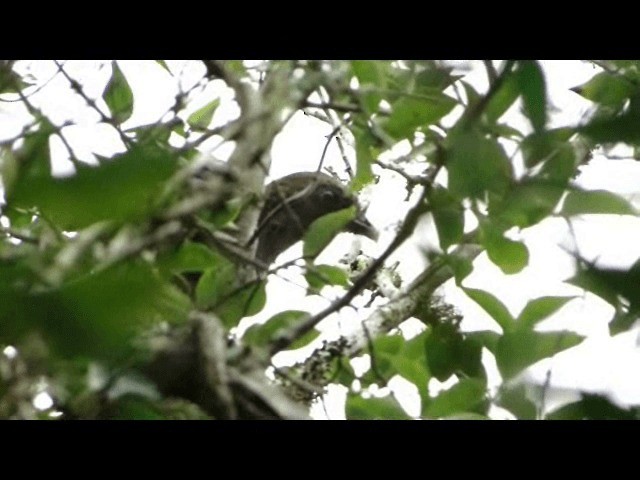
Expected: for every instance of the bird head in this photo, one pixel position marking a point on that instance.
(294, 202)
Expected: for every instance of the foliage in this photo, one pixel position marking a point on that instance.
(125, 268)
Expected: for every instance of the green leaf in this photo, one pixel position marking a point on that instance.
(393, 355)
(538, 309)
(95, 315)
(10, 81)
(324, 229)
(409, 113)
(364, 159)
(623, 128)
(461, 267)
(217, 289)
(593, 407)
(486, 338)
(581, 202)
(242, 303)
(370, 74)
(607, 89)
(477, 164)
(526, 204)
(411, 363)
(190, 257)
(611, 284)
(448, 352)
(163, 64)
(318, 276)
(534, 95)
(519, 349)
(201, 118)
(500, 102)
(448, 215)
(275, 327)
(216, 282)
(468, 395)
(386, 408)
(511, 256)
(515, 399)
(226, 213)
(541, 146)
(494, 307)
(118, 95)
(122, 188)
(560, 166)
(590, 280)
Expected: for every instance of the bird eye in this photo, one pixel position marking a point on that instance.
(328, 195)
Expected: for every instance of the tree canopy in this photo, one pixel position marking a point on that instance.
(128, 280)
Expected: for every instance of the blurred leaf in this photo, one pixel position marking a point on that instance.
(581, 202)
(409, 113)
(591, 280)
(500, 102)
(392, 355)
(607, 89)
(448, 215)
(96, 315)
(519, 349)
(623, 128)
(504, 131)
(201, 118)
(118, 95)
(534, 95)
(468, 395)
(449, 352)
(486, 338)
(370, 74)
(245, 302)
(324, 229)
(216, 282)
(163, 64)
(538, 309)
(276, 326)
(123, 188)
(515, 399)
(11, 81)
(477, 164)
(473, 97)
(494, 307)
(134, 407)
(411, 363)
(318, 276)
(227, 213)
(541, 146)
(364, 159)
(343, 373)
(511, 256)
(461, 267)
(386, 408)
(622, 322)
(593, 407)
(526, 204)
(189, 257)
(434, 78)
(218, 289)
(610, 284)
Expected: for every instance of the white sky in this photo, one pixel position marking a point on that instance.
(600, 364)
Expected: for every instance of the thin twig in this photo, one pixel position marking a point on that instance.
(76, 87)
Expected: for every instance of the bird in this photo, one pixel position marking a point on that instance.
(292, 203)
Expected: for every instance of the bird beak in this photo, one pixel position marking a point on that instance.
(362, 226)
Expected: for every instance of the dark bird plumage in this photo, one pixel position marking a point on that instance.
(292, 203)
